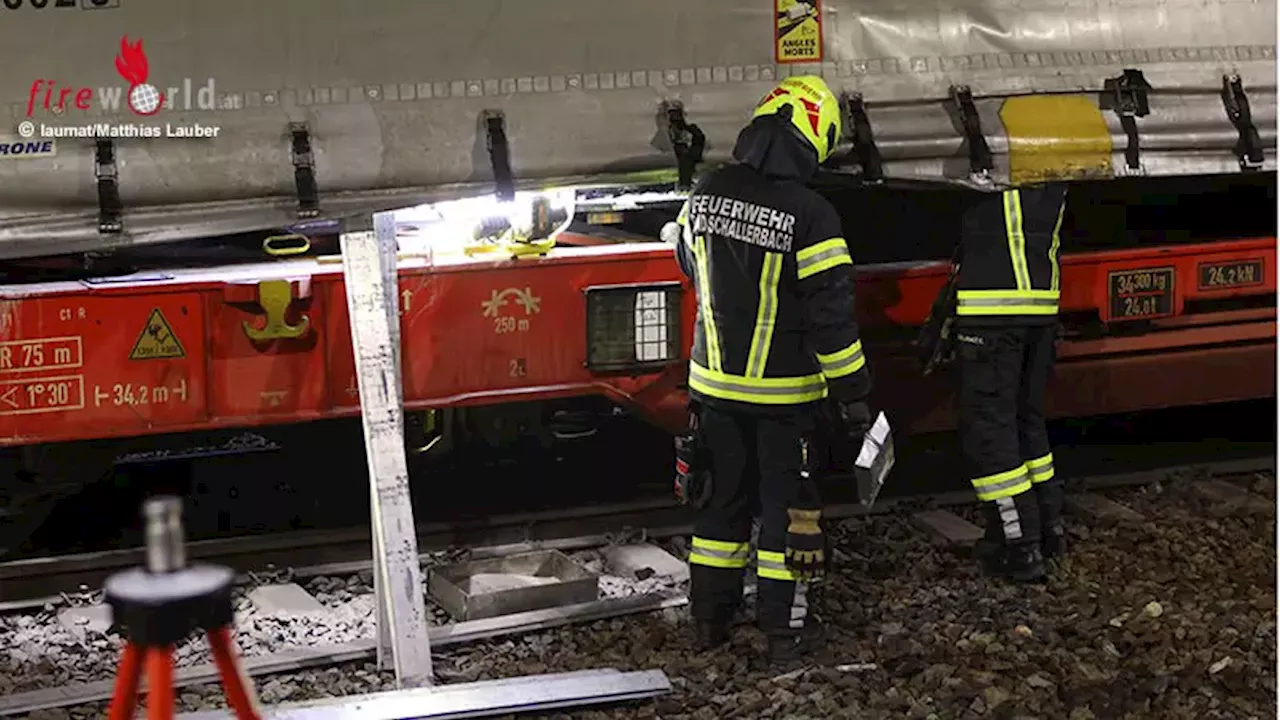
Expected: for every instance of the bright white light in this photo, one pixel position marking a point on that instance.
(449, 225)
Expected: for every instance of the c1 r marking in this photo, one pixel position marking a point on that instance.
(55, 353)
(29, 396)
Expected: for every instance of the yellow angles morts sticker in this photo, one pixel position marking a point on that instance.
(157, 340)
(797, 31)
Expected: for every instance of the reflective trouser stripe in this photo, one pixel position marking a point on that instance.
(773, 566)
(843, 362)
(1002, 484)
(705, 311)
(1055, 281)
(1010, 522)
(1016, 239)
(1007, 302)
(719, 554)
(766, 315)
(757, 391)
(1041, 469)
(799, 605)
(822, 256)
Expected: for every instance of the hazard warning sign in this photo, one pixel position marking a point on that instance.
(157, 340)
(798, 31)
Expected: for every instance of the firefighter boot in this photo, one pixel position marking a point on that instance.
(1053, 535)
(794, 649)
(1010, 549)
(710, 634)
(716, 595)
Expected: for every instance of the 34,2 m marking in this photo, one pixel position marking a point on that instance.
(140, 394)
(55, 353)
(28, 396)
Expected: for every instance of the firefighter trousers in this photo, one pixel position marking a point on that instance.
(1004, 372)
(755, 466)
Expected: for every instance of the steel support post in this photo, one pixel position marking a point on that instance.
(372, 289)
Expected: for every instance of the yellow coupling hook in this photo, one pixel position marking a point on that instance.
(275, 297)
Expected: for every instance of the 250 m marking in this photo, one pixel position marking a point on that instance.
(507, 324)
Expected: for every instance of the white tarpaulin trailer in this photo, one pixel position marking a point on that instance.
(391, 98)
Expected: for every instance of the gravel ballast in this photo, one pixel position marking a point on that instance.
(1173, 617)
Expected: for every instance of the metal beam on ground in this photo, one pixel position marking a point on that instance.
(372, 291)
(488, 698)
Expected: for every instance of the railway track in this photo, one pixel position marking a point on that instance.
(31, 584)
(336, 640)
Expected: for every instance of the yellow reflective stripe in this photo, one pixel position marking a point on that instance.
(1041, 468)
(1002, 484)
(766, 315)
(1009, 310)
(1017, 240)
(718, 553)
(1055, 279)
(723, 546)
(758, 391)
(682, 217)
(843, 362)
(700, 557)
(773, 565)
(704, 299)
(822, 256)
(1007, 302)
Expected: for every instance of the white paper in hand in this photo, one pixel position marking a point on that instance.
(875, 460)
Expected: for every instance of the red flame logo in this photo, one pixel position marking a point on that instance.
(131, 63)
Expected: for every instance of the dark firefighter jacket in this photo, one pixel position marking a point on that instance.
(1009, 257)
(774, 280)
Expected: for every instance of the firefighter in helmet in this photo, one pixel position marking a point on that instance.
(1005, 330)
(775, 337)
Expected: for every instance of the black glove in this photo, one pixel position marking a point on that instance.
(856, 418)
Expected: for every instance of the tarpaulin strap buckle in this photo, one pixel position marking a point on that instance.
(687, 143)
(304, 171)
(105, 172)
(495, 134)
(980, 161)
(1248, 148)
(864, 142)
(1126, 96)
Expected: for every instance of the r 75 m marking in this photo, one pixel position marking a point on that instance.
(55, 353)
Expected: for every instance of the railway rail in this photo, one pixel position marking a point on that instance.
(47, 582)
(342, 553)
